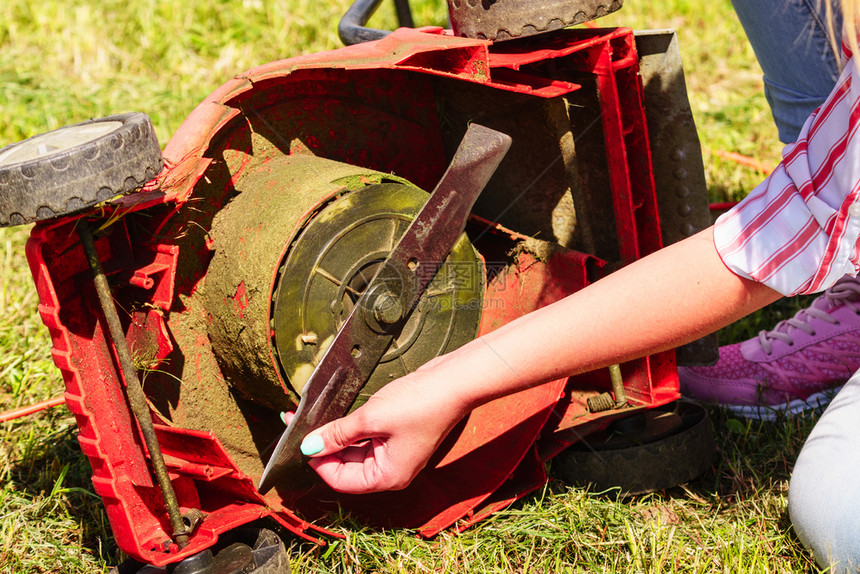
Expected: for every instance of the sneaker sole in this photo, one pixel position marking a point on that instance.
(815, 402)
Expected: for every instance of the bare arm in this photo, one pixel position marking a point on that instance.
(668, 298)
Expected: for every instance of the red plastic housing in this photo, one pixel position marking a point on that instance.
(513, 436)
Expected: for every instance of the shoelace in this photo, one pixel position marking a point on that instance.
(840, 294)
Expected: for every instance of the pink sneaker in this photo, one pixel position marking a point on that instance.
(797, 366)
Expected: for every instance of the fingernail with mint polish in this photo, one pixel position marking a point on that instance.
(312, 445)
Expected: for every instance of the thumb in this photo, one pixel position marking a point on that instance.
(335, 436)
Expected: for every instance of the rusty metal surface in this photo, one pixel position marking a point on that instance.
(360, 344)
(509, 19)
(676, 154)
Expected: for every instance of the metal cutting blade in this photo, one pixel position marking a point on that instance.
(385, 305)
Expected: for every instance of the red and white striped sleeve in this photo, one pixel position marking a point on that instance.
(799, 230)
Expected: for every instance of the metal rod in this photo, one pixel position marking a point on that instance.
(136, 398)
(617, 386)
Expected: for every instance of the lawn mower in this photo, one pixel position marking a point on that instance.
(321, 225)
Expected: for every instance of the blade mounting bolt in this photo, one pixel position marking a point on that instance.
(387, 309)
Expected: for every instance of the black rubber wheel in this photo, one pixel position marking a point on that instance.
(72, 168)
(653, 450)
(501, 20)
(243, 550)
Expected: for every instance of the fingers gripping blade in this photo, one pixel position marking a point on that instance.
(411, 265)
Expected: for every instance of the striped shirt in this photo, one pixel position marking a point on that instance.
(799, 230)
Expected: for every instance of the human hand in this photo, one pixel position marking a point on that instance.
(388, 440)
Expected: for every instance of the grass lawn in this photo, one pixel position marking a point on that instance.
(62, 61)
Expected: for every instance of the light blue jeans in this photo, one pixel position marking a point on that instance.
(824, 494)
(791, 40)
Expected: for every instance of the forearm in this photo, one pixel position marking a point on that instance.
(669, 298)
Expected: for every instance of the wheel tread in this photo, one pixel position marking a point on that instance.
(72, 180)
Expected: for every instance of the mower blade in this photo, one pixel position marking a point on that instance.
(409, 268)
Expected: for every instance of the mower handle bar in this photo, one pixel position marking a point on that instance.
(352, 29)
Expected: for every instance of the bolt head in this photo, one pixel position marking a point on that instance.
(387, 309)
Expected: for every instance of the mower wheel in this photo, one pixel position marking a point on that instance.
(74, 167)
(510, 19)
(243, 550)
(652, 450)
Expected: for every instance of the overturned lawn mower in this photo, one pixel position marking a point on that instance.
(287, 237)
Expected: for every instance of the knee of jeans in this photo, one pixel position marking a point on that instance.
(802, 505)
(823, 519)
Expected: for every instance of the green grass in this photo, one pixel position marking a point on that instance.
(62, 61)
